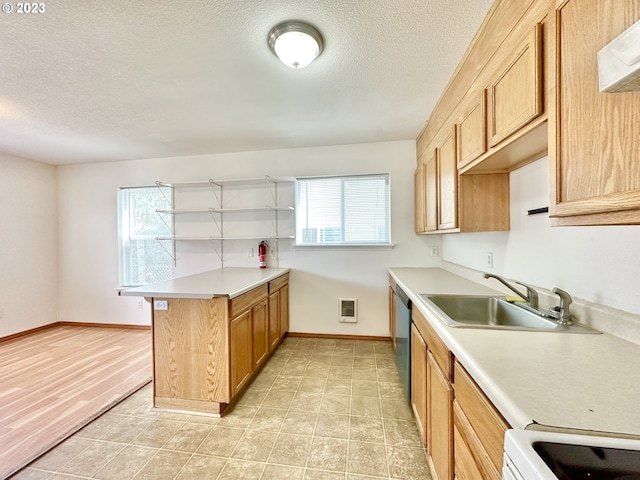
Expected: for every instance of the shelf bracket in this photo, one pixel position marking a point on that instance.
(171, 252)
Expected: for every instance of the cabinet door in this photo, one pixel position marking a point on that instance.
(419, 387)
(284, 310)
(431, 194)
(480, 417)
(447, 182)
(515, 97)
(440, 422)
(596, 174)
(241, 351)
(419, 199)
(471, 459)
(471, 131)
(274, 319)
(260, 333)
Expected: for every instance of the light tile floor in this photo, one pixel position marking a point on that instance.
(319, 410)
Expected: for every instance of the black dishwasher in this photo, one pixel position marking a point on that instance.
(403, 340)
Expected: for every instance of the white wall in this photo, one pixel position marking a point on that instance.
(88, 235)
(28, 245)
(597, 264)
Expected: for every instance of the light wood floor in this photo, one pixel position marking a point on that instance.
(55, 381)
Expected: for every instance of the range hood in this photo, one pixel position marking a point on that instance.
(619, 62)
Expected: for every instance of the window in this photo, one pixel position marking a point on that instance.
(144, 259)
(350, 210)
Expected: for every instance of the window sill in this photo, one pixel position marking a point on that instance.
(346, 246)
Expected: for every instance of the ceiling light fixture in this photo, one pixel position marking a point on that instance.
(296, 44)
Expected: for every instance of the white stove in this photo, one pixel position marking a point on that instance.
(535, 455)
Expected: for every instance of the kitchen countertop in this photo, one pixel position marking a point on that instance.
(229, 282)
(539, 380)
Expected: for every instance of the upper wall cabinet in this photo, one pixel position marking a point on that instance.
(515, 95)
(452, 203)
(594, 137)
(431, 193)
(419, 198)
(471, 130)
(447, 182)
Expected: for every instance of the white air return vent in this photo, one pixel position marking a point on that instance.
(619, 62)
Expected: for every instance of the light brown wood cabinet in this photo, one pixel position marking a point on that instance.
(419, 382)
(419, 199)
(440, 423)
(432, 395)
(497, 101)
(431, 193)
(248, 335)
(515, 96)
(462, 431)
(460, 203)
(594, 147)
(480, 429)
(471, 130)
(260, 327)
(278, 310)
(207, 350)
(447, 174)
(241, 351)
(284, 310)
(274, 320)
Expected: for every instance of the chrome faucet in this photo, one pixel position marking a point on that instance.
(531, 296)
(561, 313)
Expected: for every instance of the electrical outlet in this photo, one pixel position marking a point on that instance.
(249, 252)
(140, 304)
(160, 305)
(272, 252)
(489, 260)
(434, 251)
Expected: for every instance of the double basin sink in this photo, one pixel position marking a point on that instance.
(494, 312)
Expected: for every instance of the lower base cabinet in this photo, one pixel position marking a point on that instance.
(207, 350)
(419, 383)
(460, 428)
(241, 347)
(440, 414)
(480, 427)
(249, 344)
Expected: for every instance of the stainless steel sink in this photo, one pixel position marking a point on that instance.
(476, 311)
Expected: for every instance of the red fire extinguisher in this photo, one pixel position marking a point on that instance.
(262, 254)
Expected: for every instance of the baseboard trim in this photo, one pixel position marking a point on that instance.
(27, 332)
(71, 324)
(105, 325)
(332, 336)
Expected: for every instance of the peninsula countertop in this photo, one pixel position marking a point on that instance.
(230, 282)
(539, 380)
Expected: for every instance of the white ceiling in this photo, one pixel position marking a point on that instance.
(97, 80)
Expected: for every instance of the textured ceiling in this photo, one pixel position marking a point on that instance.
(96, 80)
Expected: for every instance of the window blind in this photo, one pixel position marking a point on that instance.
(343, 210)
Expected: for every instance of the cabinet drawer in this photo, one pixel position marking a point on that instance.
(247, 300)
(278, 283)
(471, 459)
(438, 349)
(482, 416)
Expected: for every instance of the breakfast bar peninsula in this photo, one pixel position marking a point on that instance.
(211, 332)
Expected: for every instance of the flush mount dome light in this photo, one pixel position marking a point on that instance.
(296, 44)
